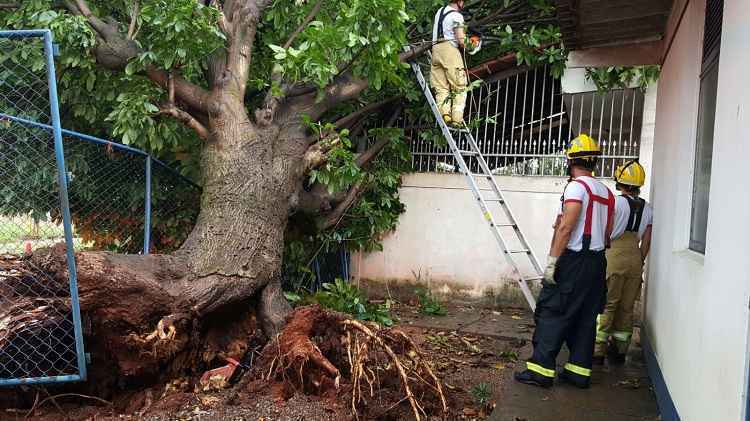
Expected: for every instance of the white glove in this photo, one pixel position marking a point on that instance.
(549, 271)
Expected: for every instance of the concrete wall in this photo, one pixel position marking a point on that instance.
(697, 305)
(443, 240)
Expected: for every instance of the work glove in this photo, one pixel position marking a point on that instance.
(549, 271)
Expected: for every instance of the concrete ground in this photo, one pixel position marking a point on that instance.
(617, 393)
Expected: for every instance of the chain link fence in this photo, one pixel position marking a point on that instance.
(97, 195)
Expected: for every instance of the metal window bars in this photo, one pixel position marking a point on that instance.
(60, 186)
(522, 124)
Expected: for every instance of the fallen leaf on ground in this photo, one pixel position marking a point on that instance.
(470, 412)
(499, 366)
(210, 400)
(514, 317)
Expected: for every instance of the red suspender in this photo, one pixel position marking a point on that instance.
(610, 215)
(609, 202)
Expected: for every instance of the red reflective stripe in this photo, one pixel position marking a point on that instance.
(610, 213)
(589, 208)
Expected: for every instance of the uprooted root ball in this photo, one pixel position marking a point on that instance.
(375, 370)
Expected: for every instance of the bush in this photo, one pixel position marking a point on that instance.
(346, 298)
(429, 304)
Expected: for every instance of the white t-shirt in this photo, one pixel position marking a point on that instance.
(575, 192)
(451, 21)
(622, 214)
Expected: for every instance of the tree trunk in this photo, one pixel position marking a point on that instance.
(150, 311)
(236, 247)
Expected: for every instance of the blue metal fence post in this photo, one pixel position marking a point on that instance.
(64, 204)
(147, 218)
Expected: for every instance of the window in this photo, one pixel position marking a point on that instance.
(706, 118)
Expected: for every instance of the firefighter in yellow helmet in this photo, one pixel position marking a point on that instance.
(573, 289)
(631, 240)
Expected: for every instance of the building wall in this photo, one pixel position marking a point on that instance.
(443, 240)
(697, 305)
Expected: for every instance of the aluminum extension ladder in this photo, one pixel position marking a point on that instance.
(497, 196)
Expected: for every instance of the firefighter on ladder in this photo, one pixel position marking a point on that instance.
(448, 75)
(574, 290)
(631, 240)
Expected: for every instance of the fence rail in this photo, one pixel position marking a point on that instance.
(60, 186)
(522, 124)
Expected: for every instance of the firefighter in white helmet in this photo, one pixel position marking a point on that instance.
(631, 240)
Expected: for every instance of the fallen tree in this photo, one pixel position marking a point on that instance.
(243, 88)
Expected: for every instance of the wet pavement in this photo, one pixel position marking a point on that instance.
(617, 393)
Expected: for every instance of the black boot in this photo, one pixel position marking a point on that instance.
(613, 354)
(534, 379)
(580, 382)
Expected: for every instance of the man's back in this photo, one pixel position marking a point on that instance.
(451, 18)
(581, 190)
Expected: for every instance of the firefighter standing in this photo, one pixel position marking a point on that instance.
(573, 290)
(448, 72)
(631, 240)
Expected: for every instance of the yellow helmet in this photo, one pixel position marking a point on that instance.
(583, 146)
(630, 173)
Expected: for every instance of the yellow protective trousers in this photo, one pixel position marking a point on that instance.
(624, 278)
(448, 78)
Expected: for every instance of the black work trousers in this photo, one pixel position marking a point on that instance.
(567, 312)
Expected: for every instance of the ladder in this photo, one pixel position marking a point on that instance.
(495, 196)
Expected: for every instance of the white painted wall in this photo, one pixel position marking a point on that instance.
(697, 306)
(443, 237)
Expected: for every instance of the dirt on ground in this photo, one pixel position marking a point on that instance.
(471, 367)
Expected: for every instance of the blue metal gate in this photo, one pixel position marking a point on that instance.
(40, 324)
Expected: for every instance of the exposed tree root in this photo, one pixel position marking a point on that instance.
(140, 330)
(329, 354)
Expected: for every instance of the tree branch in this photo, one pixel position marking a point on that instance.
(9, 6)
(348, 120)
(367, 156)
(134, 20)
(310, 16)
(318, 199)
(185, 118)
(113, 51)
(333, 218)
(348, 87)
(264, 115)
(244, 16)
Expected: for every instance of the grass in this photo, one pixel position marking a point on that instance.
(15, 231)
(22, 228)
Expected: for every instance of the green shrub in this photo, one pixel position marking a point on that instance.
(346, 298)
(481, 394)
(429, 304)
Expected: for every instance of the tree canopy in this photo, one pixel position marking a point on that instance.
(141, 72)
